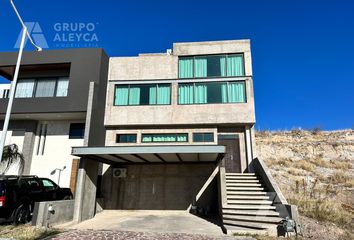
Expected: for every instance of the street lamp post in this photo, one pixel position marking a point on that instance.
(14, 81)
(59, 170)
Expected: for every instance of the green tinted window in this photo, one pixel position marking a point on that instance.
(225, 65)
(212, 92)
(146, 94)
(126, 138)
(173, 137)
(203, 137)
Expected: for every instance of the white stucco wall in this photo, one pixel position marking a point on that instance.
(57, 152)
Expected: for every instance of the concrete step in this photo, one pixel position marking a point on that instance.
(249, 201)
(251, 207)
(243, 184)
(242, 181)
(248, 193)
(247, 197)
(244, 189)
(241, 177)
(255, 213)
(246, 224)
(262, 219)
(240, 174)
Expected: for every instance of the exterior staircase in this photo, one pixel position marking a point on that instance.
(249, 209)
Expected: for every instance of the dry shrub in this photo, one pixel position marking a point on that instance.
(295, 172)
(339, 177)
(320, 162)
(284, 162)
(296, 132)
(315, 201)
(323, 210)
(263, 133)
(26, 232)
(315, 130)
(341, 164)
(304, 164)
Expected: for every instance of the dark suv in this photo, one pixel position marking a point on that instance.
(19, 193)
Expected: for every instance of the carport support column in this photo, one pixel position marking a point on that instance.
(86, 186)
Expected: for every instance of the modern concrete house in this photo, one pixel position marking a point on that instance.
(179, 136)
(49, 110)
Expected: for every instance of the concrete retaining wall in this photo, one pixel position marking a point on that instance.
(283, 207)
(63, 211)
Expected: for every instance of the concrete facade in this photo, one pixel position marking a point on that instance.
(169, 186)
(163, 68)
(238, 118)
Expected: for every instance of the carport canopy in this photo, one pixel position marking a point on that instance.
(152, 154)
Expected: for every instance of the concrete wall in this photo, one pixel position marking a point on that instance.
(63, 212)
(56, 147)
(154, 66)
(111, 135)
(160, 186)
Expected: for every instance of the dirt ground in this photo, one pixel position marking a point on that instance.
(316, 230)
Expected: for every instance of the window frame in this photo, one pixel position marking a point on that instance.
(125, 134)
(37, 79)
(204, 133)
(141, 84)
(76, 137)
(218, 54)
(161, 134)
(227, 82)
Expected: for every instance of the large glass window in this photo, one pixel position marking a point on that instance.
(147, 94)
(24, 88)
(164, 137)
(226, 65)
(126, 138)
(42, 87)
(62, 87)
(45, 88)
(211, 92)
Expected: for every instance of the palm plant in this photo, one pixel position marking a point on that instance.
(11, 156)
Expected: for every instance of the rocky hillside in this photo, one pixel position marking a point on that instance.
(315, 170)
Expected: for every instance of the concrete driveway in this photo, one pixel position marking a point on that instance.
(149, 221)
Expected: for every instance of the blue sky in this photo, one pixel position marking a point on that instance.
(303, 51)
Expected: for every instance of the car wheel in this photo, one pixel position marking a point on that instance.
(67, 198)
(22, 215)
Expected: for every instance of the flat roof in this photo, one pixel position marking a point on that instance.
(152, 154)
